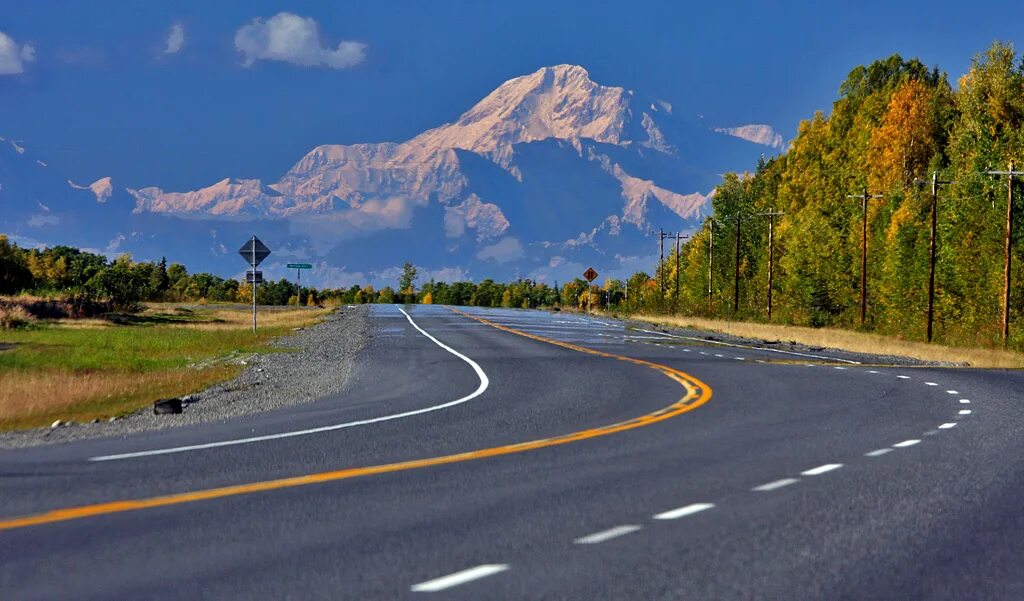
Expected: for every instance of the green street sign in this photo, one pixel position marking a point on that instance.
(299, 266)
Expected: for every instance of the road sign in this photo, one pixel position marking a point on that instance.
(254, 277)
(254, 251)
(299, 266)
(590, 274)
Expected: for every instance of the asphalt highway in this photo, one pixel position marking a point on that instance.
(505, 454)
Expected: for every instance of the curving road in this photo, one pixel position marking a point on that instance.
(500, 454)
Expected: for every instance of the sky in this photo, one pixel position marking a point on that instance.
(180, 95)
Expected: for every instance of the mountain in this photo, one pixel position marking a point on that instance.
(549, 173)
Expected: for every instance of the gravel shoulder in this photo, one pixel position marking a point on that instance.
(317, 362)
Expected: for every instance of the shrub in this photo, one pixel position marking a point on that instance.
(14, 316)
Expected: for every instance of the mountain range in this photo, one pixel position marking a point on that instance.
(548, 174)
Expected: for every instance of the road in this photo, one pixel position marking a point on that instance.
(502, 454)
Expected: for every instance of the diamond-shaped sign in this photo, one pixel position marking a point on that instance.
(590, 274)
(254, 251)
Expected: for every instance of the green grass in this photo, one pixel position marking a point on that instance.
(93, 368)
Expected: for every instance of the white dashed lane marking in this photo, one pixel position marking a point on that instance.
(444, 582)
(822, 469)
(947, 426)
(674, 514)
(952, 392)
(600, 537)
(965, 401)
(965, 412)
(775, 485)
(906, 443)
(930, 384)
(903, 377)
(878, 453)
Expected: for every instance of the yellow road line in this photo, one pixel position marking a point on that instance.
(697, 393)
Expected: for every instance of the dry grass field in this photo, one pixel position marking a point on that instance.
(98, 368)
(858, 342)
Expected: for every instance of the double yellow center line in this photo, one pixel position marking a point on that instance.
(697, 393)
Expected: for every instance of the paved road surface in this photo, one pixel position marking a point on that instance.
(468, 461)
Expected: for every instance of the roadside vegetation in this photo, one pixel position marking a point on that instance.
(849, 340)
(97, 368)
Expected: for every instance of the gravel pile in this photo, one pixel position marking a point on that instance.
(320, 363)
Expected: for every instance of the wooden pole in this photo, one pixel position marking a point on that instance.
(771, 258)
(736, 284)
(931, 254)
(1008, 256)
(675, 303)
(864, 258)
(661, 264)
(711, 264)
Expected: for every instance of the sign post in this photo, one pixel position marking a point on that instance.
(298, 267)
(254, 251)
(590, 276)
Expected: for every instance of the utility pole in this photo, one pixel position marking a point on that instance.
(678, 238)
(711, 263)
(736, 283)
(864, 198)
(736, 286)
(1010, 173)
(662, 234)
(932, 242)
(771, 215)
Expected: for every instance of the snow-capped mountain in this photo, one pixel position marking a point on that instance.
(549, 171)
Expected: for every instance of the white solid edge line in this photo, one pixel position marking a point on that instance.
(878, 453)
(760, 348)
(439, 584)
(674, 514)
(822, 469)
(600, 537)
(907, 443)
(776, 484)
(947, 426)
(484, 383)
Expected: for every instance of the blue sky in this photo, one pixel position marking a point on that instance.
(98, 94)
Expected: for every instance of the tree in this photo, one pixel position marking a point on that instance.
(120, 284)
(15, 275)
(407, 281)
(159, 279)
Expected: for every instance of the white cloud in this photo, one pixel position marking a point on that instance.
(13, 57)
(508, 249)
(293, 39)
(175, 39)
